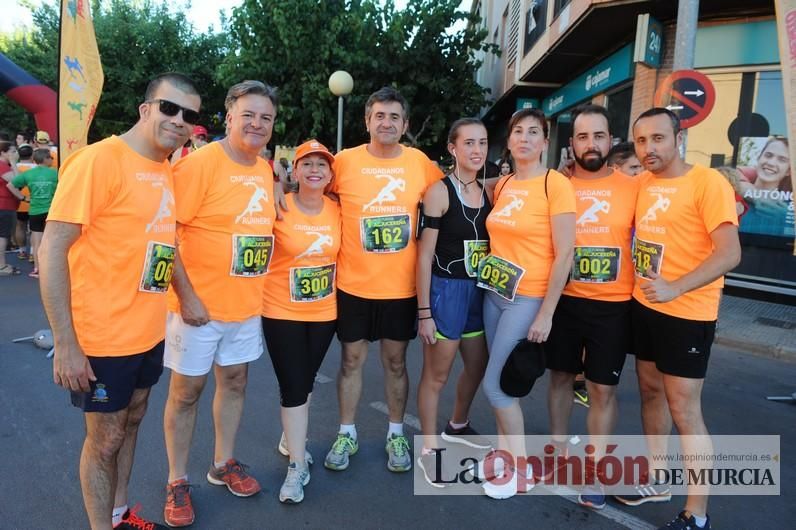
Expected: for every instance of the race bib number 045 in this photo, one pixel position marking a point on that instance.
(308, 284)
(596, 264)
(158, 267)
(385, 233)
(647, 255)
(474, 251)
(251, 255)
(499, 275)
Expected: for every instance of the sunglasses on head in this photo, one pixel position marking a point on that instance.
(172, 109)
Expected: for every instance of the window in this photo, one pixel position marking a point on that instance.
(535, 23)
(559, 5)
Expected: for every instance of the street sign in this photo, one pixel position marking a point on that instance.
(649, 41)
(687, 93)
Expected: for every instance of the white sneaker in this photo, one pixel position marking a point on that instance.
(292, 490)
(282, 448)
(509, 488)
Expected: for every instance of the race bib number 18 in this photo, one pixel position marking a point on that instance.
(474, 251)
(596, 264)
(251, 255)
(499, 275)
(308, 284)
(385, 233)
(158, 268)
(647, 255)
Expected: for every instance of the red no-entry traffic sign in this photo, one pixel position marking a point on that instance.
(687, 93)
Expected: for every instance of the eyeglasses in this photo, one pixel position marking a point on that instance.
(172, 109)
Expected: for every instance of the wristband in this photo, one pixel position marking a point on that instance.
(423, 308)
(424, 318)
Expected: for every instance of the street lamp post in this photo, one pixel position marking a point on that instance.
(340, 83)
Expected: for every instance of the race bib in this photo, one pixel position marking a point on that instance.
(251, 255)
(499, 275)
(596, 264)
(385, 233)
(158, 268)
(474, 251)
(647, 255)
(308, 284)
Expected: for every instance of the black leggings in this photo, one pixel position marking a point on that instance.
(297, 350)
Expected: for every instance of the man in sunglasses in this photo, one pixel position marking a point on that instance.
(225, 197)
(106, 261)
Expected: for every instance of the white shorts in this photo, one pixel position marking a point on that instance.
(192, 350)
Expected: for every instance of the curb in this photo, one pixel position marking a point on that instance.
(779, 352)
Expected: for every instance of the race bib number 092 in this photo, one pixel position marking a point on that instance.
(647, 255)
(385, 233)
(499, 275)
(596, 264)
(251, 255)
(308, 284)
(158, 267)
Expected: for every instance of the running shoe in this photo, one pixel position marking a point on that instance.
(685, 521)
(292, 490)
(398, 458)
(131, 521)
(22, 254)
(592, 497)
(581, 397)
(428, 465)
(479, 470)
(560, 454)
(649, 492)
(282, 448)
(34, 273)
(179, 508)
(233, 475)
(344, 446)
(467, 436)
(499, 488)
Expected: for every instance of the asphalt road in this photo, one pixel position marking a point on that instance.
(41, 436)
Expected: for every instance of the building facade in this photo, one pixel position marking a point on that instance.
(557, 54)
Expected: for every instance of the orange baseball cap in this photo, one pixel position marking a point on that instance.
(312, 147)
(199, 130)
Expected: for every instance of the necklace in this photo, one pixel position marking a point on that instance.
(465, 184)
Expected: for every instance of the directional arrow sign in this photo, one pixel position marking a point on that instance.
(687, 93)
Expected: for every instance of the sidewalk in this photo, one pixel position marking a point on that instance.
(759, 327)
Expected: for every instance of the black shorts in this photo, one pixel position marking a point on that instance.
(600, 328)
(7, 220)
(117, 378)
(677, 346)
(366, 319)
(297, 350)
(22, 216)
(38, 222)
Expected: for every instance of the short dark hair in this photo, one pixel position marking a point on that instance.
(386, 94)
(658, 111)
(588, 108)
(25, 151)
(453, 132)
(620, 153)
(180, 81)
(6, 145)
(520, 115)
(244, 88)
(40, 155)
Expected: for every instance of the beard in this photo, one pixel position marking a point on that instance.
(591, 164)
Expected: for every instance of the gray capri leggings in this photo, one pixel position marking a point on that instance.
(505, 324)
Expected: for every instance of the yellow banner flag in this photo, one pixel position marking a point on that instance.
(80, 76)
(786, 29)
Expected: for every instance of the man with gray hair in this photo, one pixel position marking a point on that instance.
(225, 196)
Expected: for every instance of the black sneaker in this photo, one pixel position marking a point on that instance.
(685, 521)
(428, 465)
(650, 492)
(131, 521)
(581, 397)
(467, 436)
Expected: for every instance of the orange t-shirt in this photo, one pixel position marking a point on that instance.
(379, 198)
(121, 264)
(300, 285)
(225, 216)
(24, 206)
(519, 226)
(674, 220)
(603, 263)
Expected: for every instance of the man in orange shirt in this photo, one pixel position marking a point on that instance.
(105, 262)
(224, 196)
(380, 185)
(686, 240)
(591, 324)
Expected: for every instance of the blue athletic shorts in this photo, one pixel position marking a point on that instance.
(457, 307)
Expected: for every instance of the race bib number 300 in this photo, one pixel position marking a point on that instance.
(596, 264)
(647, 255)
(499, 275)
(158, 268)
(308, 284)
(474, 251)
(385, 233)
(251, 255)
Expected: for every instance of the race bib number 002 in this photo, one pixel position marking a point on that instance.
(308, 284)
(474, 251)
(385, 233)
(499, 275)
(596, 264)
(647, 255)
(251, 255)
(158, 267)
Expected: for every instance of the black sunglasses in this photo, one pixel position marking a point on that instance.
(172, 109)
